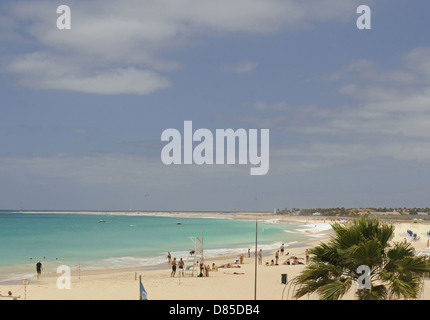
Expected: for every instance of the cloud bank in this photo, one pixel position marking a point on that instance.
(117, 47)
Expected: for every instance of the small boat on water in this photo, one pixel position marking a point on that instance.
(179, 222)
(101, 221)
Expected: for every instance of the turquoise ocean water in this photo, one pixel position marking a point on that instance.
(122, 240)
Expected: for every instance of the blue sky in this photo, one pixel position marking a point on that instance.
(82, 110)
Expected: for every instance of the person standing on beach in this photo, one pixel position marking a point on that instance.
(276, 257)
(282, 249)
(202, 266)
(181, 267)
(173, 268)
(260, 256)
(307, 256)
(38, 268)
(249, 253)
(169, 257)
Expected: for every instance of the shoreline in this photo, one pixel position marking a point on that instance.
(228, 252)
(122, 283)
(154, 262)
(162, 270)
(164, 266)
(224, 284)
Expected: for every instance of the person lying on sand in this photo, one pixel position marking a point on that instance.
(228, 265)
(296, 261)
(239, 273)
(293, 256)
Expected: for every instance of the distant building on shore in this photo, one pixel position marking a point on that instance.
(422, 213)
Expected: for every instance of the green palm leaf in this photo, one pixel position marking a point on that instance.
(335, 290)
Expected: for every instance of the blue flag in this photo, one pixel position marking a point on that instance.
(143, 294)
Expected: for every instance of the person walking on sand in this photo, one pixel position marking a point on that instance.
(39, 268)
(260, 256)
(173, 268)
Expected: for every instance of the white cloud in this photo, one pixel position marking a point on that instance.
(39, 70)
(117, 81)
(113, 42)
(387, 115)
(392, 102)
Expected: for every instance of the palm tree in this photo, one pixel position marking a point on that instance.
(395, 271)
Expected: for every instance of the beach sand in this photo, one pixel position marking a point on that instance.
(224, 284)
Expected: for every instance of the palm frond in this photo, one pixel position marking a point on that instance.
(406, 287)
(400, 250)
(365, 241)
(335, 290)
(416, 265)
(374, 293)
(368, 253)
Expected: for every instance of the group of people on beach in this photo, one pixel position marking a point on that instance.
(180, 264)
(204, 269)
(294, 259)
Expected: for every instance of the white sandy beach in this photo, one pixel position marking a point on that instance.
(224, 284)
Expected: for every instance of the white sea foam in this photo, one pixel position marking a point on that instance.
(314, 227)
(131, 261)
(17, 277)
